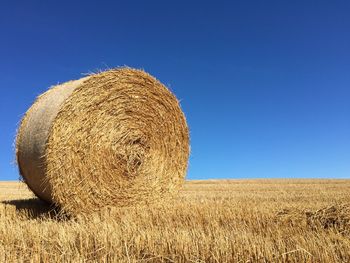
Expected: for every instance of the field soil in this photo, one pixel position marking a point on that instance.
(284, 220)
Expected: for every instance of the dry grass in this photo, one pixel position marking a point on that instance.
(212, 221)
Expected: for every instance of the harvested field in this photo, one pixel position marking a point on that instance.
(211, 221)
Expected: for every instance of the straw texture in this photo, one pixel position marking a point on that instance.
(117, 138)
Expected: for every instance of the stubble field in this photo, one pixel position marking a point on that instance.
(211, 221)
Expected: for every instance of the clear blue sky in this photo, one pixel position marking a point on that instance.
(265, 85)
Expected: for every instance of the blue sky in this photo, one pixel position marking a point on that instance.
(265, 85)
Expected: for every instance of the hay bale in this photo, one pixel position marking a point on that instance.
(116, 138)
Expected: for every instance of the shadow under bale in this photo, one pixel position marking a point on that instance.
(35, 208)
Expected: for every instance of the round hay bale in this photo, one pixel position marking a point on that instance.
(116, 138)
